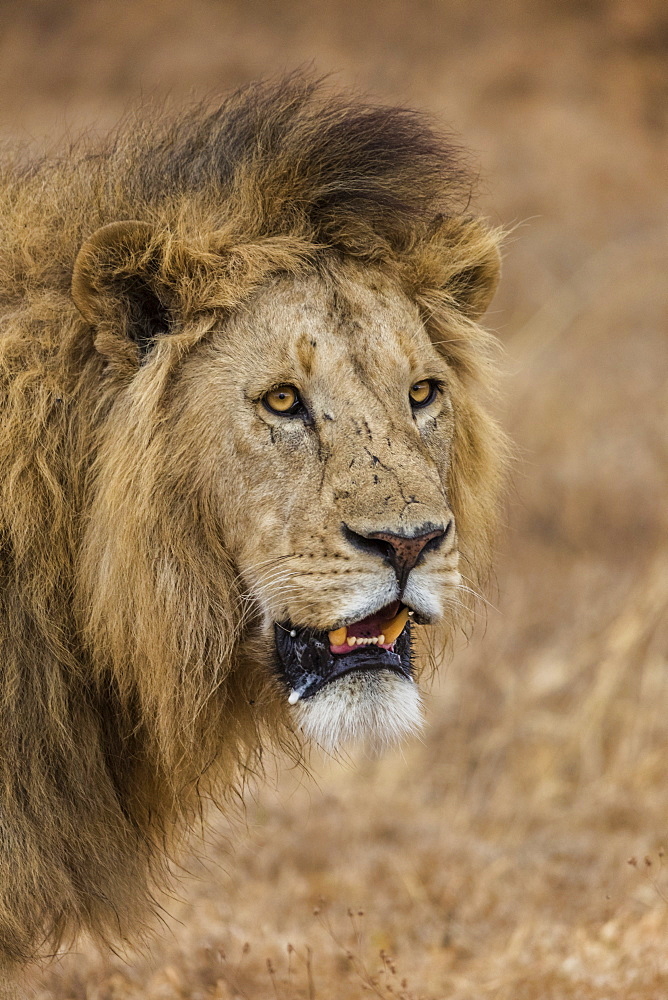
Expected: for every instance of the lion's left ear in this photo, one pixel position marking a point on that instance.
(118, 282)
(469, 253)
(473, 288)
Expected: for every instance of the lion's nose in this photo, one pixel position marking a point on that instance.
(402, 551)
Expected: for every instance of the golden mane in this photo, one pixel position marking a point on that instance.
(119, 609)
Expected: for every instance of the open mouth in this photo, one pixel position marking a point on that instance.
(308, 659)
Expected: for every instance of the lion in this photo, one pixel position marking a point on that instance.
(246, 456)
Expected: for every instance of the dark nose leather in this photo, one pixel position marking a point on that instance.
(403, 552)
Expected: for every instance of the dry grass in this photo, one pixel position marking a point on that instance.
(491, 859)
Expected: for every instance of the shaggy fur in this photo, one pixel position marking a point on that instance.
(384, 706)
(125, 691)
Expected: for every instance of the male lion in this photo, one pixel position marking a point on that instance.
(242, 457)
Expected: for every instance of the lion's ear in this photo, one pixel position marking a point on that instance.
(473, 288)
(474, 262)
(118, 282)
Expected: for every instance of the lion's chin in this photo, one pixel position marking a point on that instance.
(376, 708)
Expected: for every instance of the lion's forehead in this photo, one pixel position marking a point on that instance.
(314, 326)
(351, 345)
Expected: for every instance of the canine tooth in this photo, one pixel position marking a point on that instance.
(396, 626)
(338, 636)
(294, 697)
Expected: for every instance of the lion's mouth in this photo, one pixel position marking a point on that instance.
(309, 659)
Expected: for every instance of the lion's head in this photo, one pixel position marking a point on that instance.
(320, 429)
(245, 459)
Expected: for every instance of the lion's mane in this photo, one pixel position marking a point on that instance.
(119, 611)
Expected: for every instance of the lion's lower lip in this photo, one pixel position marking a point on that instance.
(306, 663)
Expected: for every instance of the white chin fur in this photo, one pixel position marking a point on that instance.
(375, 707)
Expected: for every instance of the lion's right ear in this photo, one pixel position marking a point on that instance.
(118, 284)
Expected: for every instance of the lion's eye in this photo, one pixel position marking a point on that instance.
(422, 393)
(284, 399)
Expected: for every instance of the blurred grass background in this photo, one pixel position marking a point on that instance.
(517, 851)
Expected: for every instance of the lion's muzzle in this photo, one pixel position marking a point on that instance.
(309, 659)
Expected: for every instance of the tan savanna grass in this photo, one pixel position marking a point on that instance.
(492, 859)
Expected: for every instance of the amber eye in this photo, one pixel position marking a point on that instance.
(422, 393)
(284, 399)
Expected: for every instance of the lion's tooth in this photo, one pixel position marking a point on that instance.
(365, 640)
(396, 626)
(338, 636)
(294, 697)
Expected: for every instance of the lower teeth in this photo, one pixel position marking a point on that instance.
(340, 637)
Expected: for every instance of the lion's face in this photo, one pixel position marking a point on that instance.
(328, 431)
(273, 494)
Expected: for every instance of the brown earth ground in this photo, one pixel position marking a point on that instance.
(516, 851)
